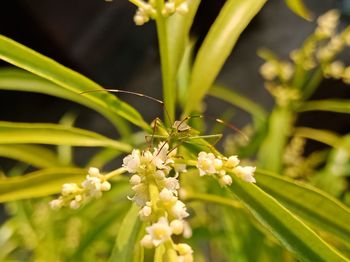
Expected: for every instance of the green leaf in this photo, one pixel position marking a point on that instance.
(26, 58)
(217, 46)
(290, 230)
(324, 136)
(127, 236)
(331, 105)
(308, 202)
(178, 28)
(39, 183)
(19, 80)
(37, 156)
(272, 149)
(298, 7)
(239, 101)
(52, 134)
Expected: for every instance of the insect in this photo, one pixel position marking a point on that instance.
(180, 132)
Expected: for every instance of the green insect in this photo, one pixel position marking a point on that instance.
(180, 132)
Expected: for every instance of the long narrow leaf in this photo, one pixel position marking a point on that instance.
(37, 156)
(26, 58)
(28, 133)
(38, 184)
(217, 46)
(298, 7)
(285, 226)
(127, 235)
(332, 105)
(20, 80)
(308, 202)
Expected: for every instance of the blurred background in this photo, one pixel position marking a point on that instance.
(99, 39)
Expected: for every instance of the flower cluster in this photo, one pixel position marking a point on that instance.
(156, 192)
(74, 195)
(208, 163)
(149, 10)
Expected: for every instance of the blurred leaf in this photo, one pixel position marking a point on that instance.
(291, 231)
(324, 136)
(19, 80)
(298, 7)
(127, 236)
(17, 133)
(217, 46)
(39, 183)
(271, 151)
(37, 156)
(178, 35)
(239, 101)
(308, 202)
(26, 58)
(331, 105)
(65, 152)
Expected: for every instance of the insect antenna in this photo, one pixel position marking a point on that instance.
(228, 125)
(132, 93)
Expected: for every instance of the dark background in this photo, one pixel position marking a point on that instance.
(100, 40)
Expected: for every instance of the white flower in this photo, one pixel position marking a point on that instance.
(141, 194)
(327, 23)
(132, 162)
(180, 168)
(245, 173)
(166, 195)
(177, 226)
(225, 180)
(69, 188)
(74, 204)
(145, 212)
(335, 69)
(147, 241)
(205, 163)
(92, 185)
(135, 180)
(232, 162)
(56, 204)
(269, 70)
(159, 232)
(105, 186)
(93, 171)
(179, 210)
(187, 232)
(185, 252)
(172, 184)
(183, 8)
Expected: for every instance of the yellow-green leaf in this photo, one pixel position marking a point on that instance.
(298, 7)
(39, 183)
(28, 133)
(217, 46)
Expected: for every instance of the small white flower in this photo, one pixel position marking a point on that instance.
(92, 185)
(160, 231)
(335, 69)
(232, 162)
(225, 180)
(69, 188)
(166, 195)
(187, 232)
(169, 8)
(105, 186)
(74, 204)
(56, 204)
(245, 173)
(218, 164)
(93, 171)
(135, 180)
(269, 70)
(145, 212)
(132, 161)
(205, 163)
(183, 8)
(172, 184)
(183, 249)
(147, 241)
(179, 210)
(180, 168)
(177, 226)
(159, 174)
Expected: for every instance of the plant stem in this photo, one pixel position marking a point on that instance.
(213, 199)
(167, 78)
